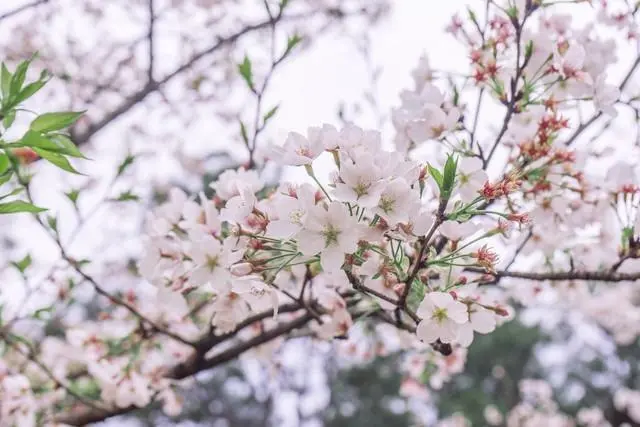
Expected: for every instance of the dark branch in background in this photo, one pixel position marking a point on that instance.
(597, 276)
(584, 126)
(22, 9)
(150, 38)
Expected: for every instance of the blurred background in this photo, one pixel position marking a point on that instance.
(159, 80)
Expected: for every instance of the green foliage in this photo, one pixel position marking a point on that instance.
(44, 137)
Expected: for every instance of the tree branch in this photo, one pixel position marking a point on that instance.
(22, 9)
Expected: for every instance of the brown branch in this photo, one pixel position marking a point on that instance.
(196, 364)
(598, 276)
(584, 126)
(22, 9)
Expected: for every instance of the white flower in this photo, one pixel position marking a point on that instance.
(454, 230)
(441, 317)
(291, 212)
(605, 95)
(239, 207)
(360, 181)
(133, 390)
(471, 178)
(298, 150)
(331, 232)
(200, 219)
(480, 320)
(213, 261)
(230, 182)
(395, 201)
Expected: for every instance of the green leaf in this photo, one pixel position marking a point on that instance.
(12, 193)
(54, 121)
(53, 222)
(292, 42)
(18, 78)
(5, 83)
(436, 175)
(6, 176)
(127, 196)
(243, 133)
(73, 195)
(18, 206)
(8, 119)
(5, 163)
(66, 146)
(28, 91)
(128, 161)
(57, 159)
(246, 71)
(270, 114)
(23, 264)
(448, 177)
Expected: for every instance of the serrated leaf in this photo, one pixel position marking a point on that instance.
(49, 122)
(128, 161)
(246, 71)
(18, 206)
(57, 159)
(23, 264)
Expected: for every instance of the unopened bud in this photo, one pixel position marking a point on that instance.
(241, 269)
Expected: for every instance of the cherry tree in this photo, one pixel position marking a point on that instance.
(504, 188)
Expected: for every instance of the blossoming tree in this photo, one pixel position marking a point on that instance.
(493, 196)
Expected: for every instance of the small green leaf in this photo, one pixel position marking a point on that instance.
(243, 133)
(270, 113)
(6, 176)
(73, 195)
(128, 161)
(5, 163)
(53, 222)
(18, 78)
(57, 159)
(23, 264)
(246, 72)
(19, 206)
(54, 121)
(12, 193)
(8, 119)
(292, 42)
(436, 175)
(5, 83)
(448, 177)
(127, 196)
(28, 91)
(66, 146)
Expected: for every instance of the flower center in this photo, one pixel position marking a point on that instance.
(386, 204)
(439, 314)
(212, 262)
(330, 234)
